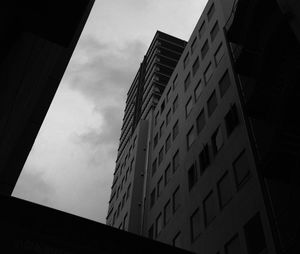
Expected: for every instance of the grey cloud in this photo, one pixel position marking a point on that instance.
(31, 186)
(108, 72)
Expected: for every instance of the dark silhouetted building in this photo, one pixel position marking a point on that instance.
(213, 167)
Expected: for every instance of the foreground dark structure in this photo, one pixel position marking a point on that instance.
(265, 43)
(37, 41)
(38, 229)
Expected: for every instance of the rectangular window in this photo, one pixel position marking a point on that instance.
(176, 242)
(192, 176)
(212, 103)
(241, 169)
(198, 90)
(224, 190)
(204, 159)
(233, 246)
(209, 207)
(128, 191)
(158, 224)
(219, 54)
(196, 66)
(254, 234)
(167, 174)
(175, 104)
(175, 130)
(217, 140)
(195, 222)
(159, 186)
(175, 161)
(123, 200)
(127, 173)
(154, 166)
(194, 45)
(208, 72)
(214, 31)
(131, 165)
(162, 107)
(186, 60)
(125, 226)
(187, 81)
(204, 49)
(161, 155)
(168, 95)
(224, 83)
(231, 119)
(161, 129)
(211, 12)
(168, 117)
(155, 141)
(190, 137)
(168, 143)
(152, 198)
(175, 200)
(167, 212)
(175, 82)
(188, 107)
(151, 232)
(200, 121)
(202, 29)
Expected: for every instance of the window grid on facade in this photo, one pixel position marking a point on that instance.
(214, 31)
(212, 103)
(187, 81)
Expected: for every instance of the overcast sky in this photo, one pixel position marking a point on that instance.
(71, 164)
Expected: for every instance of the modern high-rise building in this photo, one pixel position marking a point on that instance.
(188, 173)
